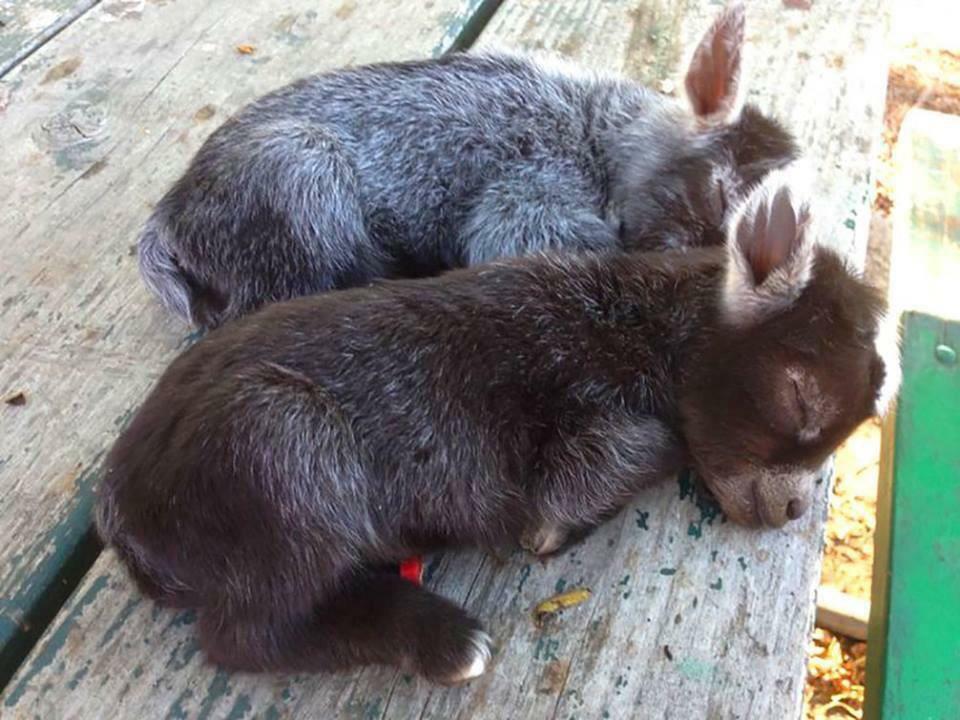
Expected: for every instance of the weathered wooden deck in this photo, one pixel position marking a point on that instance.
(690, 616)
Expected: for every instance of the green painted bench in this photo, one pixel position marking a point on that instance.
(689, 617)
(913, 666)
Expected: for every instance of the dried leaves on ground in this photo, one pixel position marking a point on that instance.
(836, 670)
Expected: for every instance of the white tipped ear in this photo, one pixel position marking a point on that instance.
(713, 75)
(770, 247)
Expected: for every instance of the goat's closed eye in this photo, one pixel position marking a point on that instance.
(801, 405)
(808, 429)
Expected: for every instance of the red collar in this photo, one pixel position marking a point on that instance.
(412, 569)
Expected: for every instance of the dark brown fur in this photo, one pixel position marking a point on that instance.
(284, 455)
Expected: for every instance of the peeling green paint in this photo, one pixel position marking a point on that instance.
(708, 507)
(546, 649)
(124, 418)
(241, 707)
(561, 584)
(718, 585)
(524, 574)
(668, 571)
(119, 621)
(181, 619)
(176, 711)
(78, 676)
(462, 28)
(742, 562)
(432, 567)
(217, 690)
(695, 669)
(182, 654)
(642, 519)
(42, 575)
(190, 339)
(48, 652)
(372, 710)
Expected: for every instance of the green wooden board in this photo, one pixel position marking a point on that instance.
(914, 659)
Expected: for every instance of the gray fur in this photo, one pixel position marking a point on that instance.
(410, 169)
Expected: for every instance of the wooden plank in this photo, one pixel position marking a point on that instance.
(691, 617)
(83, 156)
(914, 625)
(26, 25)
(842, 613)
(925, 253)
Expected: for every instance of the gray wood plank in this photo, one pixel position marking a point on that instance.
(84, 154)
(26, 25)
(690, 617)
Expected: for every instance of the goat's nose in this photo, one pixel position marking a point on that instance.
(796, 508)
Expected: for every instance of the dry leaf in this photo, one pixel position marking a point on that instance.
(246, 49)
(17, 398)
(553, 605)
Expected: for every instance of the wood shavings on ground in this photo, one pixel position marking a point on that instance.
(848, 555)
(246, 49)
(835, 677)
(835, 672)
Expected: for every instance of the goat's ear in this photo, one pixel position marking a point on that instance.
(713, 76)
(770, 247)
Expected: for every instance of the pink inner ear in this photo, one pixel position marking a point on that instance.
(721, 81)
(711, 79)
(770, 238)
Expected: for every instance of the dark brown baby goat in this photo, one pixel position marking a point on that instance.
(284, 456)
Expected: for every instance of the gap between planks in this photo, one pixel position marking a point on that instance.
(47, 34)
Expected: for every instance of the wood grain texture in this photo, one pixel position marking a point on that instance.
(690, 617)
(26, 25)
(925, 252)
(84, 154)
(916, 577)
